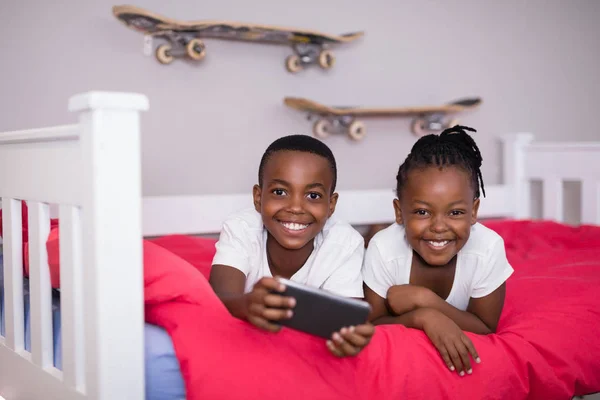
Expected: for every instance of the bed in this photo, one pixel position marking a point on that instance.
(136, 319)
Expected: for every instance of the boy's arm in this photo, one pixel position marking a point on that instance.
(228, 283)
(260, 307)
(230, 266)
(481, 317)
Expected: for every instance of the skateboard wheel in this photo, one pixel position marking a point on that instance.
(195, 49)
(162, 54)
(321, 128)
(357, 130)
(417, 127)
(326, 59)
(292, 63)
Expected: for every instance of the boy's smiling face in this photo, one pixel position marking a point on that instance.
(296, 198)
(437, 210)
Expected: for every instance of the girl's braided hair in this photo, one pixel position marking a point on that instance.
(454, 146)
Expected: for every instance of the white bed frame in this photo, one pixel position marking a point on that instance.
(92, 171)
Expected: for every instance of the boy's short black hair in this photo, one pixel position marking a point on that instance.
(303, 143)
(454, 146)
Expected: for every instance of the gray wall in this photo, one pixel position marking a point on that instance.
(535, 63)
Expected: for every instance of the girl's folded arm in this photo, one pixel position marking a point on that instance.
(481, 316)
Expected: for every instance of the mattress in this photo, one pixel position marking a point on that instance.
(163, 375)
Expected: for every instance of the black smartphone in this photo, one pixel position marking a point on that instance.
(321, 313)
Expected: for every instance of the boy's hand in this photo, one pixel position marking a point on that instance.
(350, 341)
(453, 345)
(263, 307)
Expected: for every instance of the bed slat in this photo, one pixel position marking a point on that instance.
(71, 282)
(13, 274)
(553, 199)
(40, 289)
(590, 202)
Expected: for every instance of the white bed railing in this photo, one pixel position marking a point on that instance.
(92, 171)
(523, 161)
(553, 164)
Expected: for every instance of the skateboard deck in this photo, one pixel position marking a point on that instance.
(331, 118)
(184, 37)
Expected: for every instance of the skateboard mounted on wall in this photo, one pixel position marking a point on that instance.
(184, 38)
(330, 119)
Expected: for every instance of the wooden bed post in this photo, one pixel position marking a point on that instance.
(112, 257)
(513, 165)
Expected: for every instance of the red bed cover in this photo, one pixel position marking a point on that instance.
(547, 345)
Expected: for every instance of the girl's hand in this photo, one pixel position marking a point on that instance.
(350, 341)
(453, 345)
(264, 308)
(402, 299)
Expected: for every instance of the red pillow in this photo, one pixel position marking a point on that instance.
(197, 251)
(168, 277)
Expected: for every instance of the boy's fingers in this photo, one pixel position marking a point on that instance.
(365, 330)
(333, 348)
(355, 339)
(274, 300)
(274, 314)
(263, 324)
(271, 284)
(346, 347)
(349, 349)
(256, 309)
(257, 295)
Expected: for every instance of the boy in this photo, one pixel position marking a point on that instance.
(289, 233)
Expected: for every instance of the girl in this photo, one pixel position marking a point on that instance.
(437, 269)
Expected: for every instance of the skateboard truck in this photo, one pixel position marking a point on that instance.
(179, 45)
(423, 125)
(324, 125)
(309, 54)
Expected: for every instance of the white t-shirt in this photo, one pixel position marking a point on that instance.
(481, 265)
(334, 265)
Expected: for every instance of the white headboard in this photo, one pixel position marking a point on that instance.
(523, 161)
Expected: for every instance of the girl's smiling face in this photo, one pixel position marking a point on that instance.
(437, 209)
